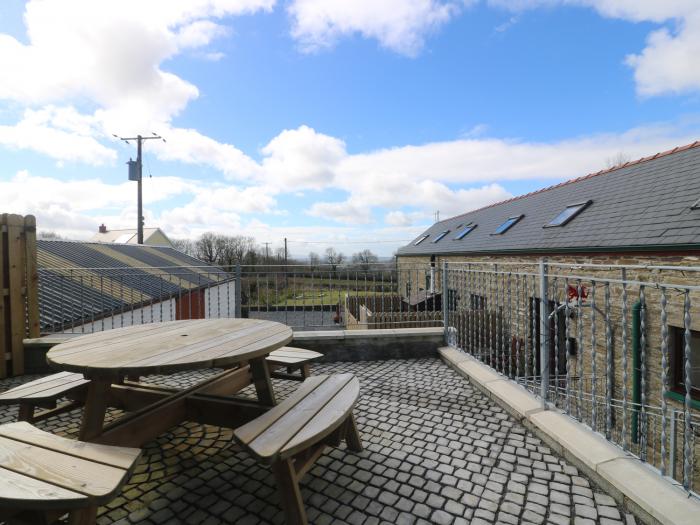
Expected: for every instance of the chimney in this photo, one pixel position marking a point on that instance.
(103, 228)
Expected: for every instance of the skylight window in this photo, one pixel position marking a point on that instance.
(420, 240)
(510, 221)
(462, 234)
(571, 211)
(441, 235)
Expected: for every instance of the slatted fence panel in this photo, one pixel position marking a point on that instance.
(19, 309)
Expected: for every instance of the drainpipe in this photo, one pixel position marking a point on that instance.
(636, 366)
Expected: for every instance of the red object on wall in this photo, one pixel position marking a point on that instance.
(572, 293)
(190, 306)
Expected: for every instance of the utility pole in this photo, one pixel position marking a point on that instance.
(286, 270)
(136, 173)
(267, 252)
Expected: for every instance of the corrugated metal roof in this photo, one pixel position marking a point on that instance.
(82, 281)
(641, 204)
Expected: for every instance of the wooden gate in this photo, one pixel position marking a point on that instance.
(19, 307)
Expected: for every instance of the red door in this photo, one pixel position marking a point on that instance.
(190, 305)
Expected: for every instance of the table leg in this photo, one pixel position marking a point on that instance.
(261, 379)
(95, 409)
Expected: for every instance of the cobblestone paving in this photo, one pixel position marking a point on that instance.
(437, 451)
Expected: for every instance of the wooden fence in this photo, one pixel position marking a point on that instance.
(19, 308)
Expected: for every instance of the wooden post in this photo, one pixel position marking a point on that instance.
(17, 279)
(19, 303)
(4, 297)
(32, 277)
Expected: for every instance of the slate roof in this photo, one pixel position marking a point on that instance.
(640, 205)
(84, 281)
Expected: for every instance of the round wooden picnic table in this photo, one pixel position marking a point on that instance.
(106, 358)
(165, 348)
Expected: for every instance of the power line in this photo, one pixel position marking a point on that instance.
(350, 242)
(136, 173)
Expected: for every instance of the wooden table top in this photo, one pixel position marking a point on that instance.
(173, 346)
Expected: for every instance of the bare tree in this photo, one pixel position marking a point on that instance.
(618, 159)
(314, 259)
(364, 259)
(186, 246)
(49, 235)
(334, 258)
(207, 248)
(233, 249)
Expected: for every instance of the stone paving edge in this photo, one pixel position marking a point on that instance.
(635, 485)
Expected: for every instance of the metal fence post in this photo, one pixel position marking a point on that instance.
(237, 292)
(445, 303)
(544, 334)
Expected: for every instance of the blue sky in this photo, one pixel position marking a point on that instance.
(331, 123)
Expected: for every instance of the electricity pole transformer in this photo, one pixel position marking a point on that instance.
(136, 173)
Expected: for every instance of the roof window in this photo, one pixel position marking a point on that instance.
(420, 240)
(462, 234)
(571, 211)
(510, 221)
(441, 235)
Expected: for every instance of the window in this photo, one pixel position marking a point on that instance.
(571, 211)
(441, 235)
(467, 229)
(678, 361)
(420, 240)
(507, 225)
(477, 302)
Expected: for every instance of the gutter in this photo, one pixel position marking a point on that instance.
(666, 248)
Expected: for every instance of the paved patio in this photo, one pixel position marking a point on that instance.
(437, 451)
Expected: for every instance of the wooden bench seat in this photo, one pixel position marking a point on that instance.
(43, 476)
(44, 392)
(293, 359)
(293, 435)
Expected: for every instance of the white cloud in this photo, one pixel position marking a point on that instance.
(669, 62)
(60, 133)
(108, 56)
(110, 52)
(399, 25)
(400, 218)
(75, 207)
(452, 176)
(302, 158)
(348, 212)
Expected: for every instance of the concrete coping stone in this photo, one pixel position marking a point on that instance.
(389, 333)
(520, 400)
(666, 501)
(587, 446)
(638, 484)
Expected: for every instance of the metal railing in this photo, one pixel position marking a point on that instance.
(319, 297)
(616, 347)
(84, 300)
(323, 297)
(613, 346)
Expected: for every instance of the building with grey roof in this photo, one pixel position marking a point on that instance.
(651, 205)
(88, 286)
(151, 236)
